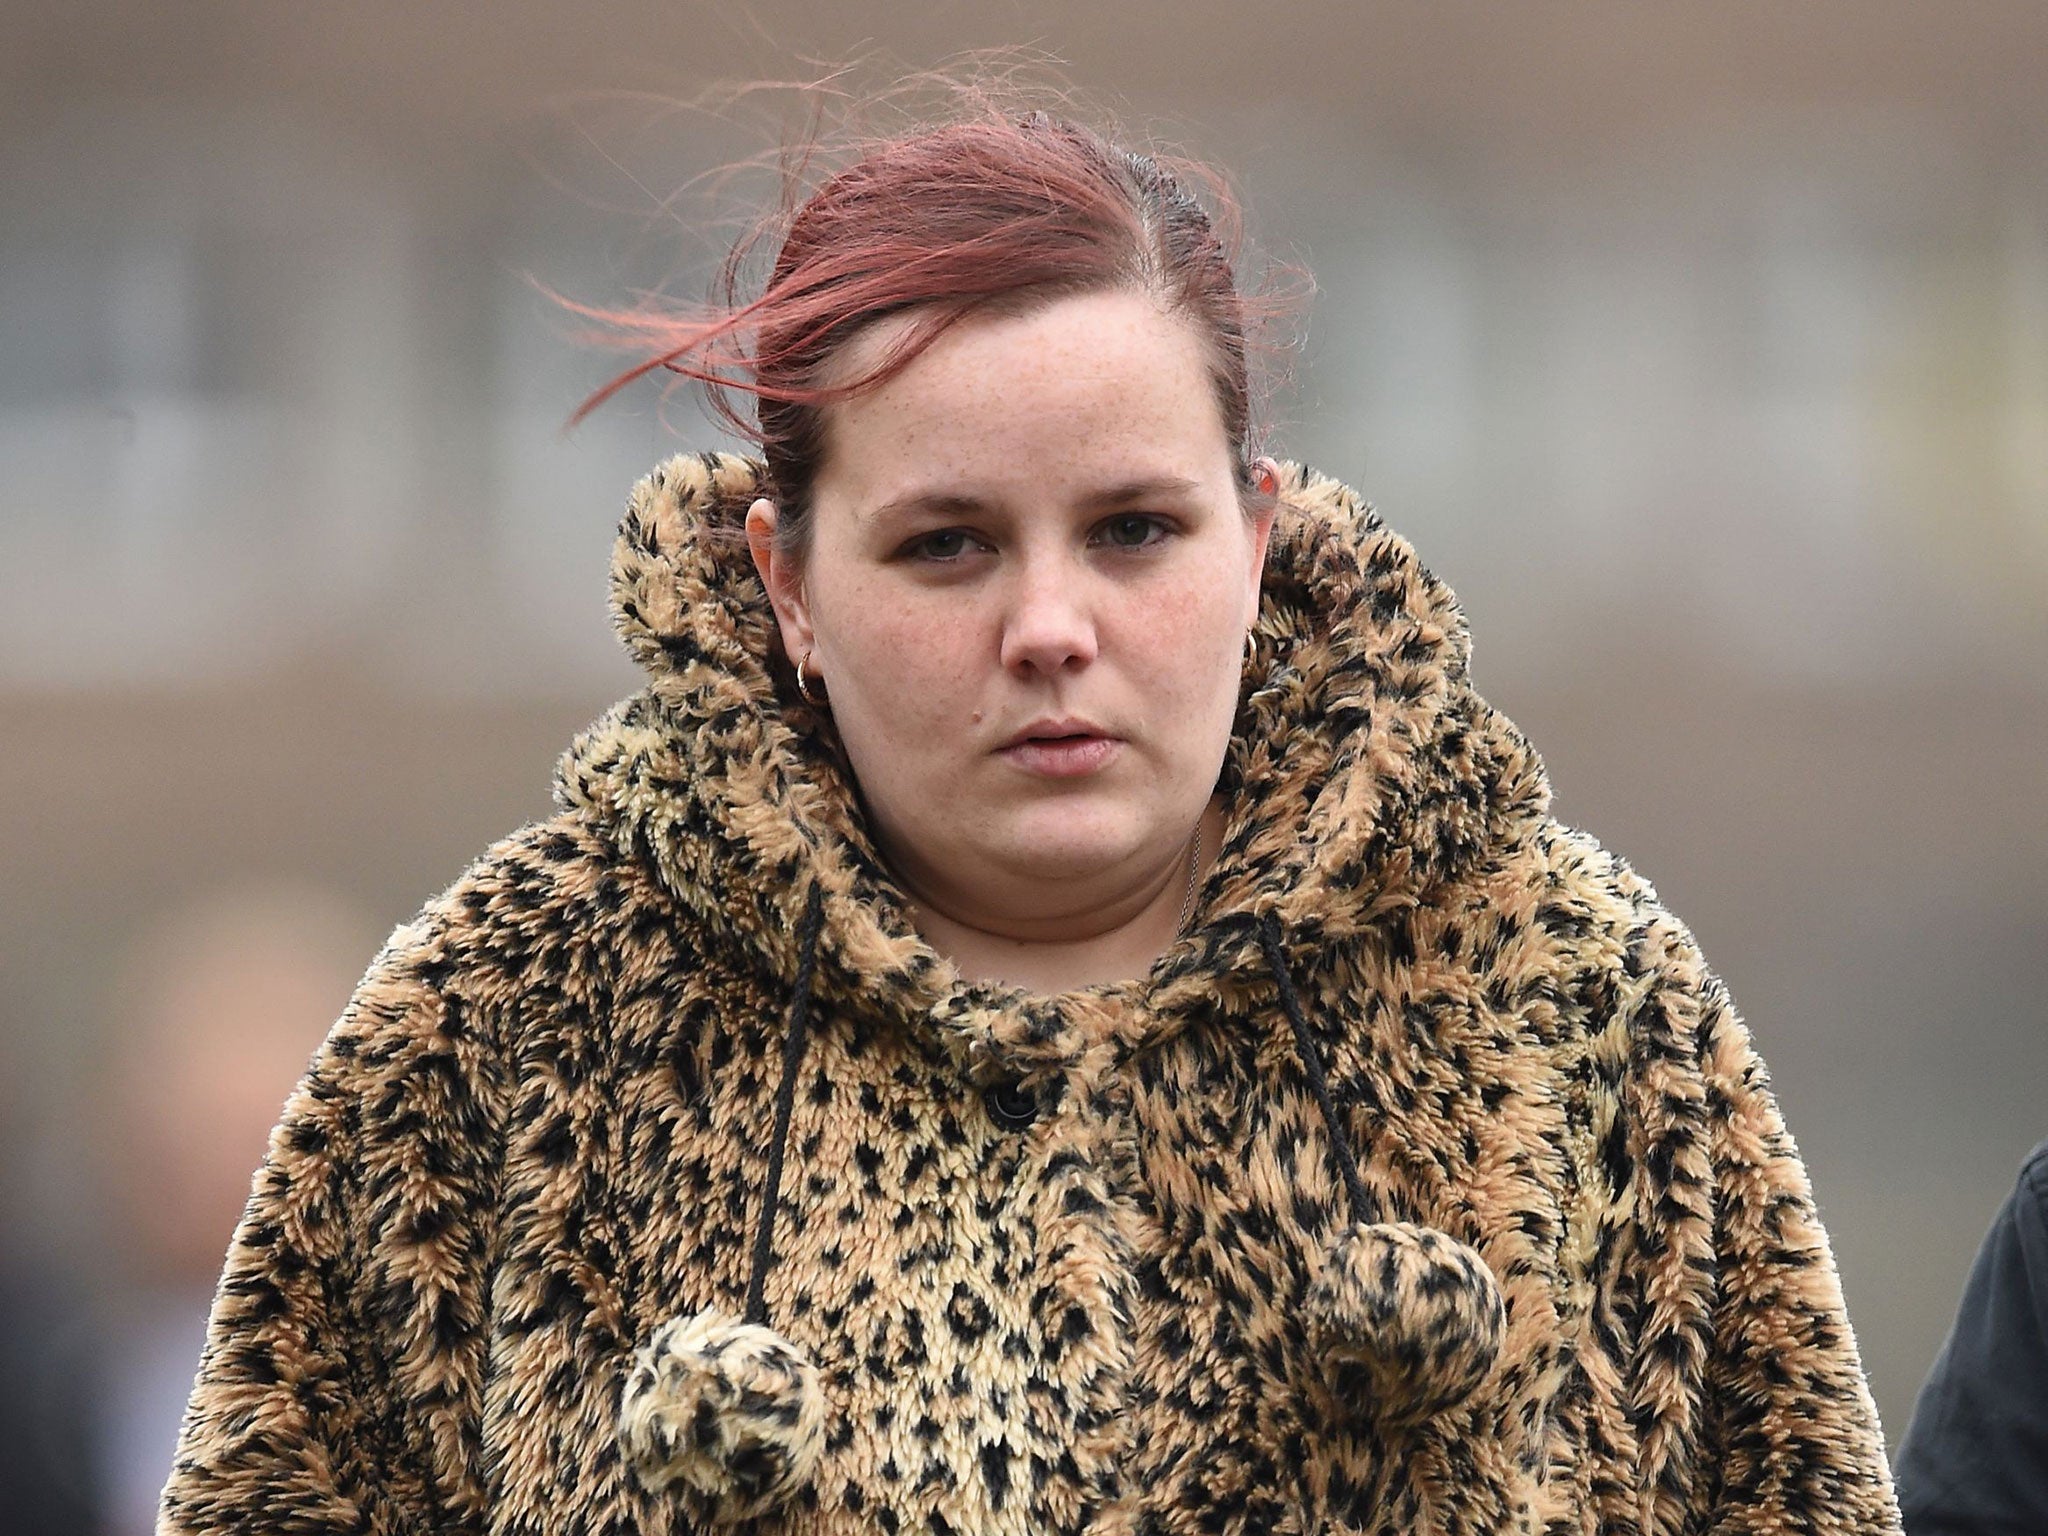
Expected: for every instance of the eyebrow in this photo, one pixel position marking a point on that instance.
(945, 502)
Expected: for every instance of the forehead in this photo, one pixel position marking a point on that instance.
(1083, 387)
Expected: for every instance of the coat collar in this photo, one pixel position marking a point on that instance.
(1364, 770)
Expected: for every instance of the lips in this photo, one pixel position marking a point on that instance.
(1061, 749)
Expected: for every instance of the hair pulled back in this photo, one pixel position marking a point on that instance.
(996, 213)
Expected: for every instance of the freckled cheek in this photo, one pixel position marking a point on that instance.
(913, 659)
(1182, 648)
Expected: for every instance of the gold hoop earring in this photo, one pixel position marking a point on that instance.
(803, 681)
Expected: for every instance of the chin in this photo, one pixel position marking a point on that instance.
(1068, 841)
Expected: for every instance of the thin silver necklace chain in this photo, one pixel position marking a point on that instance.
(1187, 901)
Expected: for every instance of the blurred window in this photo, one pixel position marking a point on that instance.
(206, 395)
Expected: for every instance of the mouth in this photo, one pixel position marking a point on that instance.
(1061, 749)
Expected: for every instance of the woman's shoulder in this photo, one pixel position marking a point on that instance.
(1559, 898)
(1576, 949)
(1656, 1025)
(548, 884)
(550, 913)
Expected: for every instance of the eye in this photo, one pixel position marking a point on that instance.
(941, 544)
(1131, 530)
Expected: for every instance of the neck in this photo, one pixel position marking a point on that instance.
(1109, 942)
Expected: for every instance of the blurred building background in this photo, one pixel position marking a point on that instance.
(1702, 347)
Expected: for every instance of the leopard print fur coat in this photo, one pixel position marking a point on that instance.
(659, 1179)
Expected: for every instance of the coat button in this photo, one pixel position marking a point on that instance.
(1012, 1105)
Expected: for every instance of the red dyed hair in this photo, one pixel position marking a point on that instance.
(994, 213)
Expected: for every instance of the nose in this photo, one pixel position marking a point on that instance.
(1048, 628)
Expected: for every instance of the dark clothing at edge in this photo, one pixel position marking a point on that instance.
(1975, 1458)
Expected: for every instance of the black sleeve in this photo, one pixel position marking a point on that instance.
(1975, 1457)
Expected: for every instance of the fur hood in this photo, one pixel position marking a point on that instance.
(659, 1177)
(1365, 767)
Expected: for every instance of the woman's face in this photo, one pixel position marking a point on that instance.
(1026, 592)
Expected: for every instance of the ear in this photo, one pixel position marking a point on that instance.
(782, 574)
(1266, 478)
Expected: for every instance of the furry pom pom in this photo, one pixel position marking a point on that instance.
(729, 1415)
(1418, 1310)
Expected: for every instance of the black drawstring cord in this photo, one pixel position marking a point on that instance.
(1312, 1064)
(785, 1102)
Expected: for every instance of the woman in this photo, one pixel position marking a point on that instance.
(1057, 1009)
